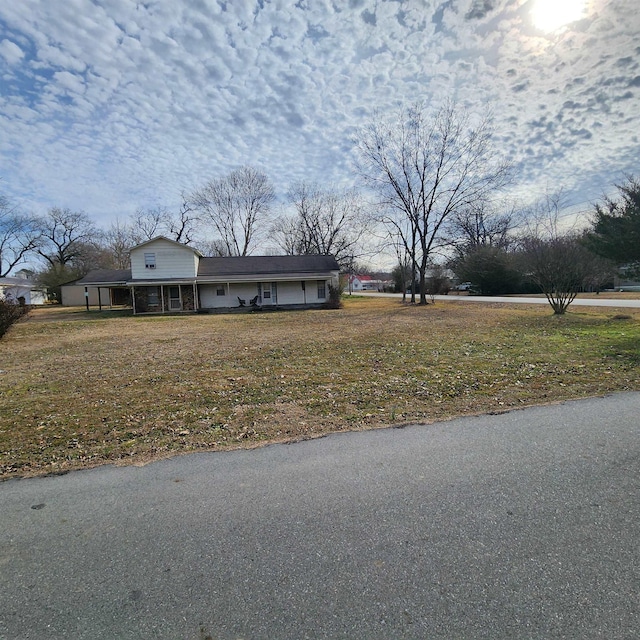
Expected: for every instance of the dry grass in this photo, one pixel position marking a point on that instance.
(79, 389)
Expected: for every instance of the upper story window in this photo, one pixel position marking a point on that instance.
(149, 260)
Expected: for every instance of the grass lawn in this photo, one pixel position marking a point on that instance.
(79, 389)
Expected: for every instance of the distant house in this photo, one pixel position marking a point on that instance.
(623, 280)
(22, 289)
(365, 283)
(169, 277)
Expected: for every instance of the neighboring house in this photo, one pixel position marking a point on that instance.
(22, 289)
(365, 283)
(168, 277)
(623, 282)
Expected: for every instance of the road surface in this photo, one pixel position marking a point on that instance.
(520, 525)
(584, 302)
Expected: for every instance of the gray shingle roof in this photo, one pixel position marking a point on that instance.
(105, 275)
(274, 265)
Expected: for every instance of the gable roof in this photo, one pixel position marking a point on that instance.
(274, 265)
(178, 244)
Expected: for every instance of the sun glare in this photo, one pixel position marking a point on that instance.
(549, 15)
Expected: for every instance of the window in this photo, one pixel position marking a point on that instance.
(220, 291)
(149, 260)
(322, 291)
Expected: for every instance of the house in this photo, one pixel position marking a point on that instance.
(22, 289)
(623, 280)
(364, 283)
(168, 277)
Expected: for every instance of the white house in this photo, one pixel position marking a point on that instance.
(22, 289)
(168, 277)
(365, 283)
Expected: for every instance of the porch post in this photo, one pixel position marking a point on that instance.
(99, 300)
(133, 299)
(196, 306)
(162, 297)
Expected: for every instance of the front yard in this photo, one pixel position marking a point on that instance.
(79, 389)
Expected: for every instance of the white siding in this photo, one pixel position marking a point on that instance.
(73, 295)
(30, 296)
(290, 292)
(172, 261)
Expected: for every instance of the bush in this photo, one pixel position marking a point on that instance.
(10, 312)
(335, 296)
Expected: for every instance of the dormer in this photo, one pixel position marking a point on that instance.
(161, 258)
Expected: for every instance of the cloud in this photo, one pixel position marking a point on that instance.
(11, 52)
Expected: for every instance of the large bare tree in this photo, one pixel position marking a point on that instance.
(237, 206)
(19, 236)
(424, 168)
(65, 235)
(326, 221)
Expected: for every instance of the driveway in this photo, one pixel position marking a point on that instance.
(520, 525)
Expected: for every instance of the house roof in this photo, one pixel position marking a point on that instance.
(179, 244)
(254, 265)
(100, 276)
(10, 281)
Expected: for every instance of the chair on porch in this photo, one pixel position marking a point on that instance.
(241, 301)
(254, 301)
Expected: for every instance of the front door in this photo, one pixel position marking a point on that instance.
(269, 293)
(175, 303)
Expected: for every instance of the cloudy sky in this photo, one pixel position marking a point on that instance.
(111, 105)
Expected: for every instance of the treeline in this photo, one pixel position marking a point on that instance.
(501, 252)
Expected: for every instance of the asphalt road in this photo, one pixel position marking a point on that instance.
(578, 302)
(520, 525)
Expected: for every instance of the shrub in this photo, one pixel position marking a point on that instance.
(335, 296)
(10, 312)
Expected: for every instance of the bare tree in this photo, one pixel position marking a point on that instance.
(236, 205)
(119, 239)
(482, 224)
(424, 170)
(149, 223)
(286, 235)
(558, 260)
(65, 235)
(561, 266)
(325, 222)
(182, 226)
(19, 236)
(70, 245)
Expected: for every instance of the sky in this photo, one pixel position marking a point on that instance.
(108, 106)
